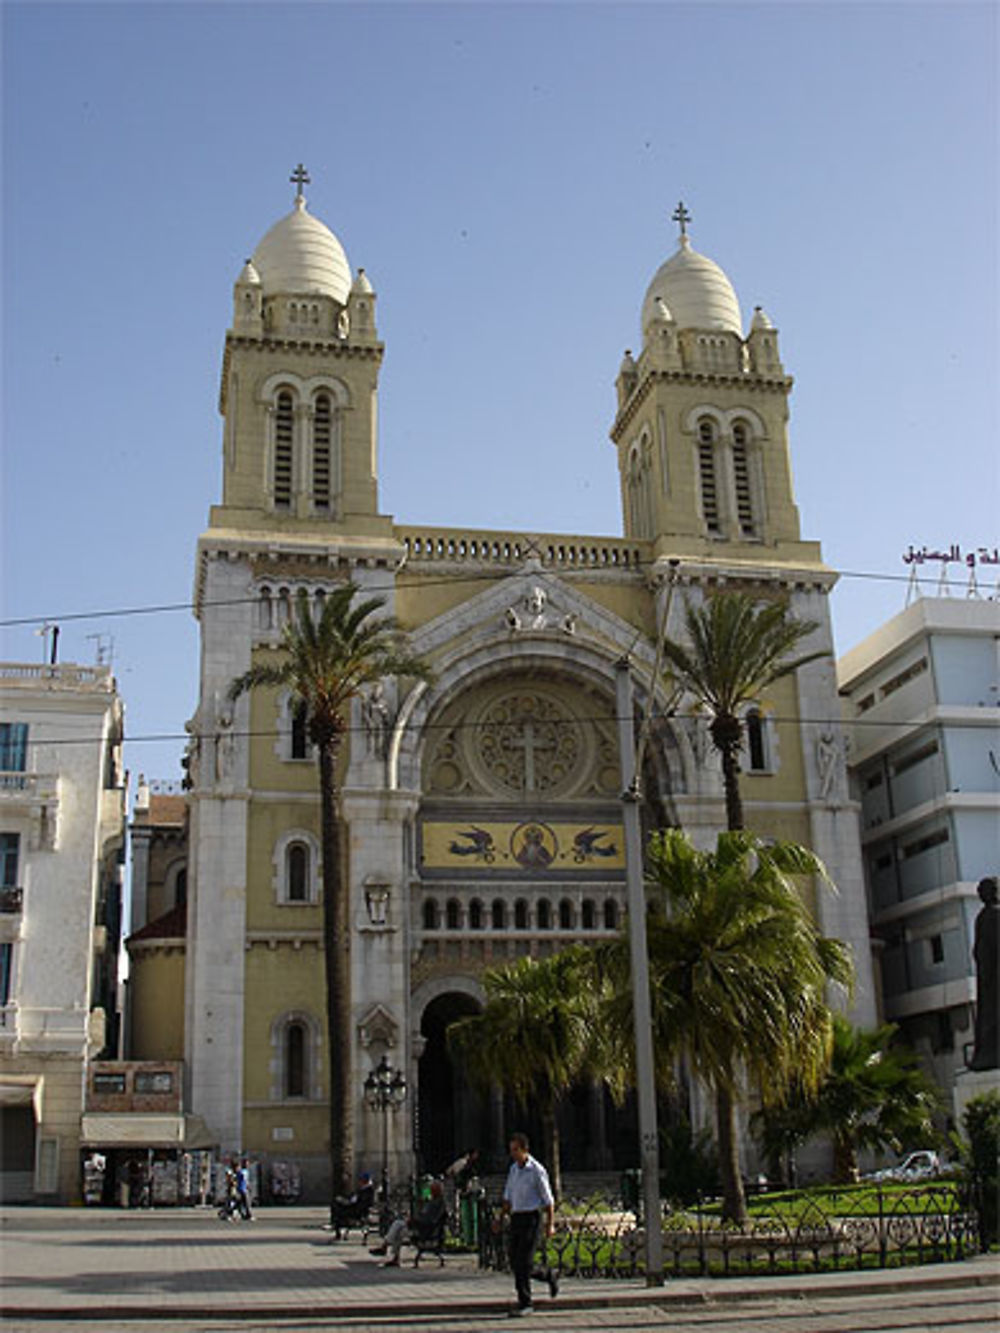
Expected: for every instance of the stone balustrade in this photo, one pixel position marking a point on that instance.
(515, 548)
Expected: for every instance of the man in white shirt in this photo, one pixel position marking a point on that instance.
(527, 1199)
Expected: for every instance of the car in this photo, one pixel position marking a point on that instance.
(919, 1165)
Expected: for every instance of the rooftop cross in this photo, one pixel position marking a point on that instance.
(681, 215)
(299, 177)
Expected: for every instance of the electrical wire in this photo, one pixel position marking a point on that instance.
(402, 584)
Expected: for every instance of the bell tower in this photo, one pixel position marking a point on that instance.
(701, 427)
(299, 387)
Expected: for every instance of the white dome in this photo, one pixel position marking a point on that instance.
(301, 255)
(362, 285)
(760, 319)
(696, 291)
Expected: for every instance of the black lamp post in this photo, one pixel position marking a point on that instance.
(385, 1090)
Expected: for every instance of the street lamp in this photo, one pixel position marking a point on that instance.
(385, 1090)
(631, 764)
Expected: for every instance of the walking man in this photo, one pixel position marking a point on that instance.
(527, 1199)
(243, 1190)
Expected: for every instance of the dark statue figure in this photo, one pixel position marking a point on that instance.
(984, 951)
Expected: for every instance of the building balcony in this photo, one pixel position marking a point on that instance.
(11, 900)
(27, 790)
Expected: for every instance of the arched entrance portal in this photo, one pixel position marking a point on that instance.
(452, 1115)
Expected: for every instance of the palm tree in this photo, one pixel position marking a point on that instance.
(537, 1034)
(738, 974)
(327, 660)
(874, 1096)
(738, 647)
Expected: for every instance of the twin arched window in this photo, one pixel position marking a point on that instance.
(319, 478)
(726, 504)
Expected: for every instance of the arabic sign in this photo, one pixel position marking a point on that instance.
(982, 555)
(532, 845)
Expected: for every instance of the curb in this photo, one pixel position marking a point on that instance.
(875, 1282)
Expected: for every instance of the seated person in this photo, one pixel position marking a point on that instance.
(419, 1228)
(356, 1207)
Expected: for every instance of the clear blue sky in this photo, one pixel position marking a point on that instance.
(505, 173)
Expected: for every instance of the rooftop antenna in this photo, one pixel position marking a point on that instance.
(104, 649)
(47, 628)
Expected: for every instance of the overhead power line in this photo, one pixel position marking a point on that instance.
(403, 583)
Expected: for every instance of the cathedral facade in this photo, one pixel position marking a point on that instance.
(482, 811)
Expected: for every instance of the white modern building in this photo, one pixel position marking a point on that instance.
(923, 701)
(62, 826)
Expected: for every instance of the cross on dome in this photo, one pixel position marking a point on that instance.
(681, 215)
(300, 177)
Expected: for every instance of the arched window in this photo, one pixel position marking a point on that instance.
(430, 914)
(587, 914)
(300, 731)
(498, 914)
(284, 427)
(297, 872)
(520, 915)
(296, 1047)
(322, 433)
(741, 479)
(452, 914)
(181, 887)
(475, 915)
(610, 914)
(756, 741)
(707, 436)
(565, 915)
(543, 914)
(640, 515)
(266, 609)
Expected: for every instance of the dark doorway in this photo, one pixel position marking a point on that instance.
(451, 1115)
(17, 1154)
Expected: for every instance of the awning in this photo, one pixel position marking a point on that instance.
(138, 1129)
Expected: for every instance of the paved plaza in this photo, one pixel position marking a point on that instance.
(75, 1267)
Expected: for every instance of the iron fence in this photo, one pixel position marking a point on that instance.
(804, 1232)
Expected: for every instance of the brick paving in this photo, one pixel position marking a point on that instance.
(186, 1263)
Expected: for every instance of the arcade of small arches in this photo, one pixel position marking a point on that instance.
(540, 913)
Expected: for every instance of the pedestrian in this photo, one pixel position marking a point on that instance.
(423, 1227)
(527, 1199)
(229, 1204)
(243, 1190)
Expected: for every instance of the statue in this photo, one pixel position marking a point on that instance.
(225, 743)
(375, 711)
(535, 604)
(986, 1054)
(827, 755)
(513, 619)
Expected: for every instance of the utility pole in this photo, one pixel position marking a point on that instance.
(645, 1076)
(631, 752)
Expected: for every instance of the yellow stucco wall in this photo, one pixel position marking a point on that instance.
(156, 993)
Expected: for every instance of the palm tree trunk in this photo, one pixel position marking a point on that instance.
(726, 731)
(734, 1204)
(845, 1160)
(731, 785)
(337, 954)
(550, 1133)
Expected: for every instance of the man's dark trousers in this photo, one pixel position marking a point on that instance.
(523, 1242)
